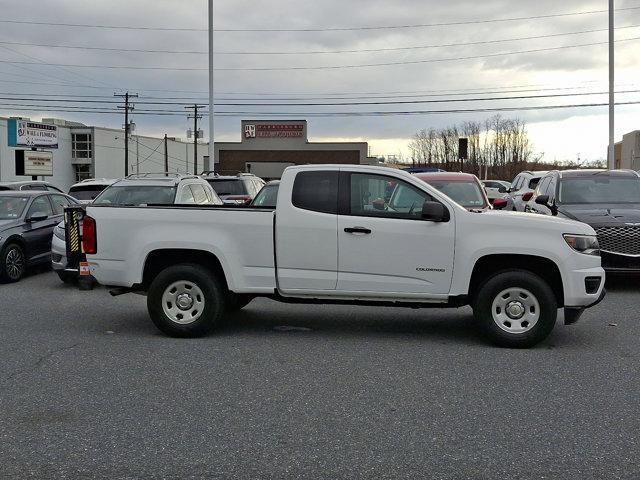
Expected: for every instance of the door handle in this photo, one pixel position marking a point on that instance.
(361, 230)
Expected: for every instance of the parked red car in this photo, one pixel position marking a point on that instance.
(463, 188)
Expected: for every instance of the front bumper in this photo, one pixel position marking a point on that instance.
(572, 315)
(58, 254)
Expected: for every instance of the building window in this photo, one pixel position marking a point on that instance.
(82, 172)
(82, 146)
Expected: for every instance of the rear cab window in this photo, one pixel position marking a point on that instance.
(316, 191)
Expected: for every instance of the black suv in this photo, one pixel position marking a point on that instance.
(607, 200)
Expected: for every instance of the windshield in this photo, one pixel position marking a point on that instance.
(136, 195)
(12, 207)
(267, 197)
(86, 192)
(467, 194)
(228, 187)
(599, 189)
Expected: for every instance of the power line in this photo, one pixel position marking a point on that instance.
(313, 104)
(348, 114)
(312, 52)
(319, 29)
(323, 67)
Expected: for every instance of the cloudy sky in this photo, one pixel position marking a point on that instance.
(327, 52)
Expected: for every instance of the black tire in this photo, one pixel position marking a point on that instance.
(206, 295)
(237, 301)
(69, 278)
(13, 263)
(508, 325)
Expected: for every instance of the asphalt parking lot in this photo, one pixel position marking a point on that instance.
(89, 389)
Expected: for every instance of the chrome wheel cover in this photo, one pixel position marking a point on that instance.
(14, 263)
(183, 302)
(515, 310)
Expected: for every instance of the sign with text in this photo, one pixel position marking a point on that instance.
(23, 133)
(38, 164)
(273, 130)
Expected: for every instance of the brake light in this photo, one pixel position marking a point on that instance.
(89, 238)
(527, 196)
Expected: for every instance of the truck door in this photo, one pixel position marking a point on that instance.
(384, 244)
(306, 233)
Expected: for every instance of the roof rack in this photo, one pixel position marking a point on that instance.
(210, 172)
(159, 175)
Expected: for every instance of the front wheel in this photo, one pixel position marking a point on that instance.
(12, 263)
(185, 301)
(516, 309)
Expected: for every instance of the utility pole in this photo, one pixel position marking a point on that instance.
(196, 134)
(127, 108)
(166, 156)
(212, 150)
(611, 156)
(137, 155)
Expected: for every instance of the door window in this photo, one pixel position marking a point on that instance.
(542, 187)
(316, 191)
(367, 197)
(40, 205)
(59, 202)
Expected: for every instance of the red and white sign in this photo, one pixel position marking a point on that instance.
(273, 130)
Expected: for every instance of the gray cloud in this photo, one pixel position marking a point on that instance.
(570, 67)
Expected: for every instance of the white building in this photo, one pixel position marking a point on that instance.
(630, 151)
(98, 152)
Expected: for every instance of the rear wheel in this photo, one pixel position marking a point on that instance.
(185, 301)
(13, 263)
(516, 309)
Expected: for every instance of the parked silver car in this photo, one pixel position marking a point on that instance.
(522, 189)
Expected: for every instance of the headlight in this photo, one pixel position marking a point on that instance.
(59, 232)
(587, 244)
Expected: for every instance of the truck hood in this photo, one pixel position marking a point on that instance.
(512, 220)
(603, 215)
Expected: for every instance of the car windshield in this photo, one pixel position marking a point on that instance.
(86, 192)
(599, 189)
(267, 197)
(136, 195)
(12, 207)
(228, 187)
(467, 194)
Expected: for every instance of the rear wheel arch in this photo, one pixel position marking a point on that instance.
(161, 259)
(490, 265)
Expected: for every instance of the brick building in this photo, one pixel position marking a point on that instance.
(267, 147)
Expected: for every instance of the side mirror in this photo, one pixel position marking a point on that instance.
(378, 204)
(37, 217)
(542, 200)
(434, 212)
(499, 203)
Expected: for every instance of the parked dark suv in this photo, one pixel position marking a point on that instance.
(27, 219)
(608, 200)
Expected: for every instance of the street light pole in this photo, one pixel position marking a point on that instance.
(212, 160)
(611, 155)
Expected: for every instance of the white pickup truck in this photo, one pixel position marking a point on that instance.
(348, 234)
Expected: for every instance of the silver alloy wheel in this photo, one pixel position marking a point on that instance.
(183, 302)
(14, 263)
(515, 310)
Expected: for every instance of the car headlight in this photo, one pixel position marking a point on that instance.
(59, 232)
(587, 244)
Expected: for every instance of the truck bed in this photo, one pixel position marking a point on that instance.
(241, 238)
